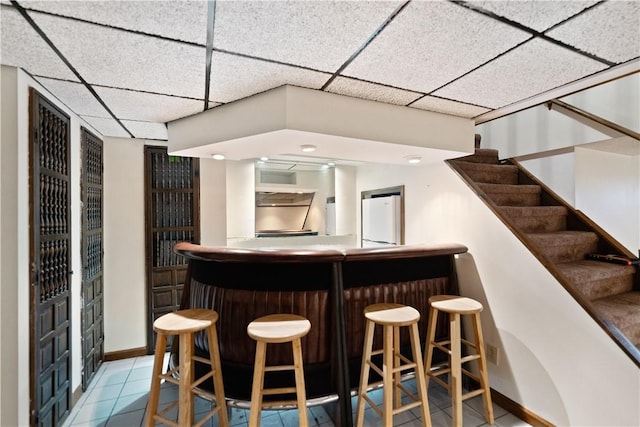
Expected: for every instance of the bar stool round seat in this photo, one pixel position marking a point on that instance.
(392, 317)
(456, 306)
(185, 321)
(278, 329)
(184, 324)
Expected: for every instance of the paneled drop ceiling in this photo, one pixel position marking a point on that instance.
(129, 67)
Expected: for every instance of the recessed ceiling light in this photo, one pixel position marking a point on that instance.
(264, 158)
(325, 166)
(308, 148)
(218, 156)
(413, 159)
(331, 163)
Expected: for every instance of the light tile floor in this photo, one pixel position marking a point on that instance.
(118, 397)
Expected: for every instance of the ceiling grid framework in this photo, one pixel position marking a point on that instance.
(148, 62)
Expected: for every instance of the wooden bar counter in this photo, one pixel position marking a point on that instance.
(329, 287)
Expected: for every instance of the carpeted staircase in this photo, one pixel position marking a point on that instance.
(557, 236)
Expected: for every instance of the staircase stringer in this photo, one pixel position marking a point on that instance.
(578, 221)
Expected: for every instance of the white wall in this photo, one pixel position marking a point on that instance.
(608, 191)
(553, 359)
(599, 100)
(538, 129)
(124, 251)
(557, 172)
(533, 131)
(240, 200)
(213, 196)
(347, 204)
(416, 187)
(15, 245)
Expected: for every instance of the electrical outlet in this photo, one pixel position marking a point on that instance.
(492, 354)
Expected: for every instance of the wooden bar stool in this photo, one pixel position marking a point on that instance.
(456, 306)
(184, 324)
(277, 329)
(392, 317)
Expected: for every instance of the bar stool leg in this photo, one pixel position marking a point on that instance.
(154, 394)
(185, 411)
(387, 377)
(396, 363)
(364, 371)
(431, 336)
(420, 376)
(456, 369)
(258, 384)
(300, 390)
(484, 377)
(214, 358)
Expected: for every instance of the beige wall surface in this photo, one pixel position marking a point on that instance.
(9, 396)
(124, 250)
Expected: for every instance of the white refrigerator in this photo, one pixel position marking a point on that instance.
(381, 221)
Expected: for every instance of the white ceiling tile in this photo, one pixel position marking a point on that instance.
(75, 96)
(375, 92)
(107, 127)
(149, 107)
(610, 31)
(234, 77)
(439, 105)
(116, 58)
(22, 47)
(535, 14)
(318, 34)
(431, 43)
(535, 67)
(147, 130)
(181, 20)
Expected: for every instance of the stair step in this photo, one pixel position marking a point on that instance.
(537, 219)
(597, 279)
(623, 310)
(565, 246)
(488, 173)
(512, 195)
(482, 155)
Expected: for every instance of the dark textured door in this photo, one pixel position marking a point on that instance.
(172, 193)
(50, 256)
(92, 256)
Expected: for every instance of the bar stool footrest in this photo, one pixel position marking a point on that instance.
(279, 368)
(472, 393)
(406, 407)
(279, 390)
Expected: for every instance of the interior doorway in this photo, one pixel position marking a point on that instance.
(382, 217)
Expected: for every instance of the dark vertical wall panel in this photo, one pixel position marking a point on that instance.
(50, 256)
(92, 256)
(172, 205)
